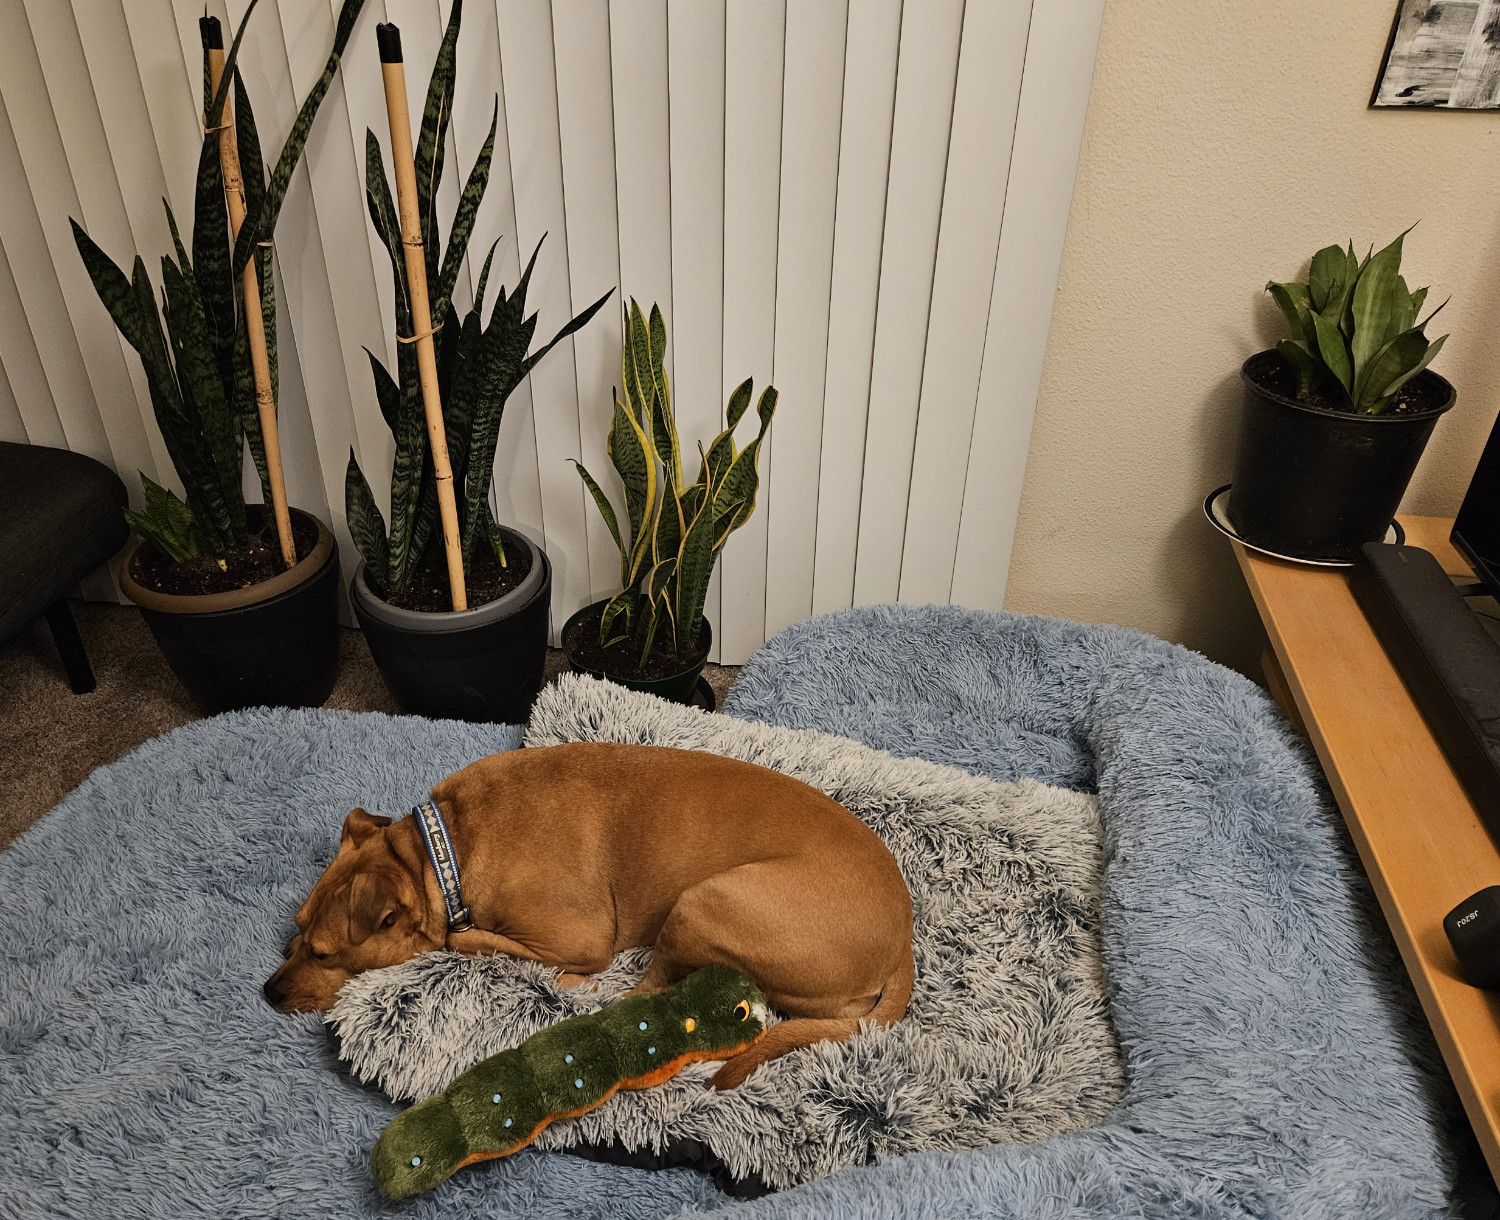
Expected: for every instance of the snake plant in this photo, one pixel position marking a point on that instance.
(198, 369)
(479, 363)
(676, 530)
(1354, 327)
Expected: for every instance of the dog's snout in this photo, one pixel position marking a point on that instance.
(273, 991)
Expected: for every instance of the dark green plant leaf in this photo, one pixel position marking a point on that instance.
(1293, 301)
(1331, 348)
(1326, 276)
(464, 215)
(366, 525)
(606, 509)
(387, 393)
(247, 144)
(1305, 364)
(247, 409)
(622, 603)
(387, 227)
(219, 504)
(739, 401)
(671, 520)
(167, 523)
(1372, 305)
(210, 265)
(630, 451)
(113, 288)
(734, 495)
(407, 470)
(572, 327)
(261, 223)
(432, 139)
(1393, 366)
(695, 566)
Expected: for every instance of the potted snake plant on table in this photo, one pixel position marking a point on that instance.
(1337, 416)
(652, 635)
(241, 598)
(483, 661)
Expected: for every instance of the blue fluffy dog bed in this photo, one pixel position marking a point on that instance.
(1276, 1063)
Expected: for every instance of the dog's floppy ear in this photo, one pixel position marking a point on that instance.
(373, 899)
(359, 826)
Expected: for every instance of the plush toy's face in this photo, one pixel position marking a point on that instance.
(364, 913)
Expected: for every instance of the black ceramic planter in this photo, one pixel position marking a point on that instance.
(482, 664)
(1317, 483)
(275, 644)
(679, 687)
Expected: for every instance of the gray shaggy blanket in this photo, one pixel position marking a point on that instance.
(1007, 1038)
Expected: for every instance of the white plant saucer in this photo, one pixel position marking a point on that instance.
(1216, 509)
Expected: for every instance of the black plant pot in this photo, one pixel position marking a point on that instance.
(482, 664)
(677, 687)
(1317, 483)
(275, 644)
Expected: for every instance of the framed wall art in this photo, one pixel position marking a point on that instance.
(1442, 54)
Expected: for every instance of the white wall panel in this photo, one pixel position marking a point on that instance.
(530, 75)
(872, 42)
(26, 379)
(984, 109)
(695, 36)
(813, 92)
(479, 98)
(862, 202)
(12, 428)
(586, 130)
(37, 131)
(913, 208)
(755, 32)
(1049, 131)
(643, 160)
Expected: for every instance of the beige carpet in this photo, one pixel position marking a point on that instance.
(50, 738)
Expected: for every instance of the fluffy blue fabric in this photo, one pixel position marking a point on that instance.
(1276, 1063)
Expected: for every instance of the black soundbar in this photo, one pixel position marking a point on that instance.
(1449, 662)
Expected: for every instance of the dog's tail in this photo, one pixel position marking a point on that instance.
(804, 1031)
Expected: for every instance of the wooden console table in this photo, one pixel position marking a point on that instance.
(1417, 832)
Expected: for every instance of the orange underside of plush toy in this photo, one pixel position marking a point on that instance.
(501, 1105)
(660, 1076)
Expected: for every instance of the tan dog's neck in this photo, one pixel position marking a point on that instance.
(404, 838)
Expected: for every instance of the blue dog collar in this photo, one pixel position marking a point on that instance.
(444, 863)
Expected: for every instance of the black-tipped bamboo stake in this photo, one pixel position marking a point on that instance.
(255, 327)
(394, 72)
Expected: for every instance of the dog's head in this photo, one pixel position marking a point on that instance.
(366, 911)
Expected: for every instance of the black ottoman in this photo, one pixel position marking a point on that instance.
(60, 518)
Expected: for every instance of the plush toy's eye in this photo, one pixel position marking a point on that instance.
(690, 1024)
(742, 1010)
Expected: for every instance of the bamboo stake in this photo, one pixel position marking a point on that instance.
(394, 73)
(255, 327)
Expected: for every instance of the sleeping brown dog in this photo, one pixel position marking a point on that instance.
(570, 853)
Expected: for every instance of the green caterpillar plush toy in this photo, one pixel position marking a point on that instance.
(500, 1105)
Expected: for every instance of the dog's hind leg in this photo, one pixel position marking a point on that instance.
(825, 953)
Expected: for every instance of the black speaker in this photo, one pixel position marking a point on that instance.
(1473, 928)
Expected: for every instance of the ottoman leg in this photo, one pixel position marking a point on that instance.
(70, 646)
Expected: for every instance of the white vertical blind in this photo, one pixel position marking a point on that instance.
(862, 202)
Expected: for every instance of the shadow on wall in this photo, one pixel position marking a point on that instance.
(1215, 614)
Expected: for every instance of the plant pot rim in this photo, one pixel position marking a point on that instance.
(1359, 417)
(706, 636)
(236, 599)
(440, 622)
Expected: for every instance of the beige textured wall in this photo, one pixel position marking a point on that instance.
(1225, 143)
